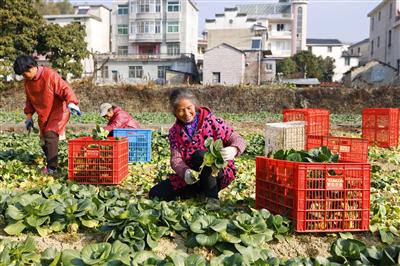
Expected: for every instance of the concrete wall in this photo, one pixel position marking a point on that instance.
(373, 73)
(379, 30)
(361, 50)
(232, 69)
(239, 38)
(150, 70)
(189, 28)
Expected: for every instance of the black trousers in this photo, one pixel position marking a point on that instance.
(50, 149)
(208, 185)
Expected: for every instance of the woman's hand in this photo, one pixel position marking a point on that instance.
(229, 153)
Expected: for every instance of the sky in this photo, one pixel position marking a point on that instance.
(336, 19)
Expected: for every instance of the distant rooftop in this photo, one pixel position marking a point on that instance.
(323, 42)
(361, 42)
(262, 10)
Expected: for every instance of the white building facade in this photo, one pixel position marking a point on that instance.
(148, 37)
(279, 28)
(96, 19)
(384, 34)
(338, 51)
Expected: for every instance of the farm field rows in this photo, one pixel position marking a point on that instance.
(96, 225)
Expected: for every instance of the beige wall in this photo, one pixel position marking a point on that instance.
(238, 38)
(231, 70)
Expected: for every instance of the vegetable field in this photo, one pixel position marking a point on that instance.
(51, 221)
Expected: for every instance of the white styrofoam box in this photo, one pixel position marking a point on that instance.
(285, 135)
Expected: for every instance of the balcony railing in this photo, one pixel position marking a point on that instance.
(143, 57)
(145, 36)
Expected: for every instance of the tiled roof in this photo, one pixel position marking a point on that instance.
(323, 42)
(264, 9)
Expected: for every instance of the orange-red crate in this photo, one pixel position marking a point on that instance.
(317, 120)
(318, 197)
(381, 126)
(97, 161)
(349, 149)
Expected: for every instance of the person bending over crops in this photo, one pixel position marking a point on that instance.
(117, 118)
(48, 95)
(193, 126)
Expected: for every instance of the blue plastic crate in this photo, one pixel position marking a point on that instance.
(139, 143)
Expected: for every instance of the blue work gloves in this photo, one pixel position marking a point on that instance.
(28, 123)
(73, 108)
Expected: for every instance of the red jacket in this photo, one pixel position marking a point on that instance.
(48, 95)
(121, 119)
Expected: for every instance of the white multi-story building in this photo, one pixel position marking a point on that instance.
(96, 19)
(148, 37)
(338, 51)
(360, 49)
(279, 29)
(384, 33)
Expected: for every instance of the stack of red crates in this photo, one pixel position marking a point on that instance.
(97, 161)
(319, 197)
(381, 126)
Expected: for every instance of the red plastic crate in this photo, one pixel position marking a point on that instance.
(317, 120)
(314, 198)
(349, 149)
(97, 161)
(381, 126)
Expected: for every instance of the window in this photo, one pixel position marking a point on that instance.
(173, 49)
(173, 6)
(162, 71)
(144, 26)
(157, 28)
(122, 29)
(104, 72)
(390, 11)
(173, 27)
(282, 45)
(143, 6)
(299, 28)
(329, 49)
(122, 10)
(347, 61)
(82, 11)
(158, 6)
(256, 44)
(280, 27)
(372, 23)
(358, 50)
(372, 48)
(378, 43)
(122, 50)
(216, 77)
(135, 71)
(379, 16)
(390, 38)
(268, 67)
(352, 51)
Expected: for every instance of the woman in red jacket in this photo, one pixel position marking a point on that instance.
(117, 118)
(48, 95)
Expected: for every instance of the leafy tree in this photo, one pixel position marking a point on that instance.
(308, 64)
(328, 68)
(57, 8)
(20, 23)
(65, 47)
(286, 66)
